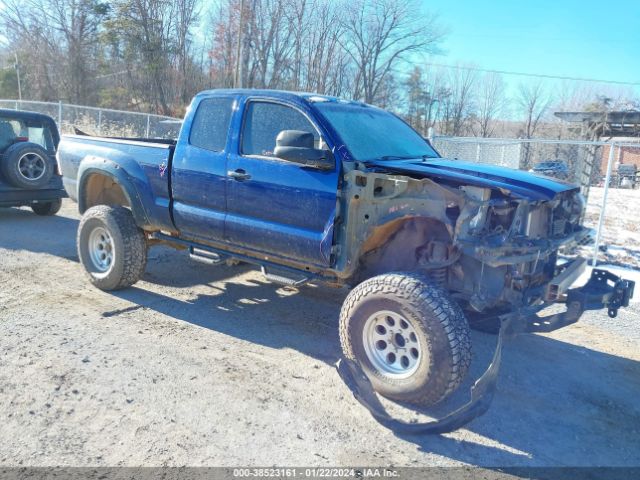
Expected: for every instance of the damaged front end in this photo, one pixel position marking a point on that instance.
(510, 246)
(515, 243)
(495, 249)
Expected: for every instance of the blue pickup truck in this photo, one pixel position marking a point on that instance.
(28, 171)
(312, 188)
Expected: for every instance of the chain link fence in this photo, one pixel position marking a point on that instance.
(101, 121)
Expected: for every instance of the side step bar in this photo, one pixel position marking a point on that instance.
(215, 256)
(205, 256)
(281, 279)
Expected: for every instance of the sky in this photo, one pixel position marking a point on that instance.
(573, 38)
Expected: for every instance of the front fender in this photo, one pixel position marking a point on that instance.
(138, 196)
(375, 204)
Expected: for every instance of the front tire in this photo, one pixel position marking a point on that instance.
(111, 247)
(410, 338)
(47, 208)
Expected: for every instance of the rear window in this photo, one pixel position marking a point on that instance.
(211, 124)
(34, 131)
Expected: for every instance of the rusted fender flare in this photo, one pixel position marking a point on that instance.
(482, 393)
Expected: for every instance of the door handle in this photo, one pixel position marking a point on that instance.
(240, 175)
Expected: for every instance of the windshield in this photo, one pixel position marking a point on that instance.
(371, 134)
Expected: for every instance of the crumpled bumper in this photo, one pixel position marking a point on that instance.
(482, 393)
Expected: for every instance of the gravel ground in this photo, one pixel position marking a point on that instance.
(201, 365)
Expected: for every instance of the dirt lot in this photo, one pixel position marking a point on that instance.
(214, 366)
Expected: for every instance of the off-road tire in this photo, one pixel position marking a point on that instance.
(47, 209)
(129, 247)
(10, 165)
(442, 331)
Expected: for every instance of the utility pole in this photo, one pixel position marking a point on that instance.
(238, 74)
(17, 66)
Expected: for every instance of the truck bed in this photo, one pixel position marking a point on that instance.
(147, 162)
(150, 154)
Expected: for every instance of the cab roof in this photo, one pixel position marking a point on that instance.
(283, 94)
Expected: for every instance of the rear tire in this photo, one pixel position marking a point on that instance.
(411, 339)
(111, 247)
(46, 209)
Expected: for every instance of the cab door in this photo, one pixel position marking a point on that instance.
(198, 177)
(277, 207)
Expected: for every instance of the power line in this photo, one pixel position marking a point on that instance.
(535, 75)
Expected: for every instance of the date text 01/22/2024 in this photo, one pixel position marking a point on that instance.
(320, 472)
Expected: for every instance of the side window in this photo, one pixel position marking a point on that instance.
(7, 133)
(264, 121)
(37, 133)
(211, 124)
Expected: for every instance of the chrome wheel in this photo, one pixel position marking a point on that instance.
(32, 166)
(101, 249)
(391, 344)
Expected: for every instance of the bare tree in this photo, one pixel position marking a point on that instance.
(187, 16)
(62, 45)
(319, 62)
(270, 44)
(379, 35)
(457, 101)
(223, 51)
(290, 44)
(146, 31)
(534, 101)
(491, 102)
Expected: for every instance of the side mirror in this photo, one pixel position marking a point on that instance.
(297, 146)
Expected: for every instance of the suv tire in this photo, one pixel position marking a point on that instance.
(46, 209)
(27, 165)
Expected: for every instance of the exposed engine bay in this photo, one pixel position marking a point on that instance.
(490, 248)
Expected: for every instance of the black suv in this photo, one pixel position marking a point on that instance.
(28, 169)
(553, 168)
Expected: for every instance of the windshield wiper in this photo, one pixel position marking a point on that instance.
(399, 157)
(423, 157)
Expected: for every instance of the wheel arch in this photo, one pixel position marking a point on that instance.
(393, 246)
(109, 185)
